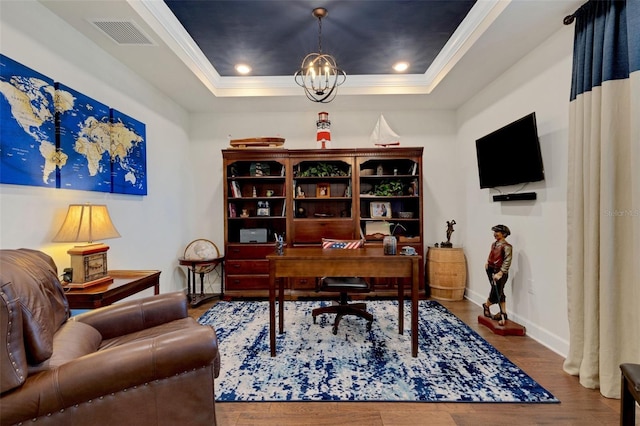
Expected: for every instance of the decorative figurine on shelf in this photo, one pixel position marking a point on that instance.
(497, 268)
(245, 213)
(447, 244)
(279, 245)
(323, 131)
(299, 192)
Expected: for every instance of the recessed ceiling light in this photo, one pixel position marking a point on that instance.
(243, 69)
(401, 66)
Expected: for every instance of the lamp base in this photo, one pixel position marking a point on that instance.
(89, 263)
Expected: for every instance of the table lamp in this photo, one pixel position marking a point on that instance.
(87, 223)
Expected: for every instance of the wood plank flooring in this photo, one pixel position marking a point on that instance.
(579, 406)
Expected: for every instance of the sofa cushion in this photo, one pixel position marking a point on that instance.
(150, 333)
(73, 340)
(40, 296)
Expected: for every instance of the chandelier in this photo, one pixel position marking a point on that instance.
(319, 74)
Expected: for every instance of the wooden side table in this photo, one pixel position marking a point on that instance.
(125, 284)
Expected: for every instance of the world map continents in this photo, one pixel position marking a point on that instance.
(54, 136)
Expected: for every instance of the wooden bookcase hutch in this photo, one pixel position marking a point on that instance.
(306, 195)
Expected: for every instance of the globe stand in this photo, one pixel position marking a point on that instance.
(202, 267)
(202, 257)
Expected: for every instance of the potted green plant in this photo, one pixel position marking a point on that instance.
(388, 188)
(323, 170)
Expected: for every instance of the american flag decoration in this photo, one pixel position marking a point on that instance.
(341, 244)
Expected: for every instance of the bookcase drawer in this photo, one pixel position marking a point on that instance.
(247, 282)
(249, 251)
(244, 267)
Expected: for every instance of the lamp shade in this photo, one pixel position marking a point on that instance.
(86, 223)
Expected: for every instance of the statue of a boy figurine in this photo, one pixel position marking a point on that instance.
(497, 268)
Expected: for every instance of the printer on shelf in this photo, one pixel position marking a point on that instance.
(253, 235)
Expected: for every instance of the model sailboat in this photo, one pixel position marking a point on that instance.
(383, 135)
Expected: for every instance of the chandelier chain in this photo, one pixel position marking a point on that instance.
(319, 35)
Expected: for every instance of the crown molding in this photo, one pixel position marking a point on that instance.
(163, 22)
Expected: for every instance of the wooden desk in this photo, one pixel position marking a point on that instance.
(364, 262)
(125, 284)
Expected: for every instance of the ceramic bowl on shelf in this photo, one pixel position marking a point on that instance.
(405, 215)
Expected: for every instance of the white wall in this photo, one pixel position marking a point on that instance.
(432, 129)
(154, 228)
(536, 292)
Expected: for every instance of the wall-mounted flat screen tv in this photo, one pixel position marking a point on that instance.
(510, 155)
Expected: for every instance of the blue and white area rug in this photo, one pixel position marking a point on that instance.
(454, 363)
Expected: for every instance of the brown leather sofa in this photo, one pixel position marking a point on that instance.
(141, 362)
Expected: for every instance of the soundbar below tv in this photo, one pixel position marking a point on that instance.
(516, 196)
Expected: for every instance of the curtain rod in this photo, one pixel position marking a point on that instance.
(568, 20)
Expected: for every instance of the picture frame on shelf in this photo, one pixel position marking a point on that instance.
(380, 210)
(263, 209)
(323, 190)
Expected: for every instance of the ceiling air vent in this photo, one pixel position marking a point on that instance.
(123, 32)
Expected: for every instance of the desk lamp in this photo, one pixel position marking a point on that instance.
(87, 223)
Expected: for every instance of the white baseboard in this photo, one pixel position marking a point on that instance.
(537, 333)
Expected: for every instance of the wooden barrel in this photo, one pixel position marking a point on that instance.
(446, 273)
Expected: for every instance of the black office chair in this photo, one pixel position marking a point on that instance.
(344, 286)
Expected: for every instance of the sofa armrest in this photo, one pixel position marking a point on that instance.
(135, 315)
(111, 371)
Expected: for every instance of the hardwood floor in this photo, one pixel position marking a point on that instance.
(578, 406)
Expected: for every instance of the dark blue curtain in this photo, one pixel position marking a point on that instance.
(606, 43)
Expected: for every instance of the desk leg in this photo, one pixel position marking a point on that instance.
(414, 307)
(400, 307)
(272, 309)
(281, 304)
